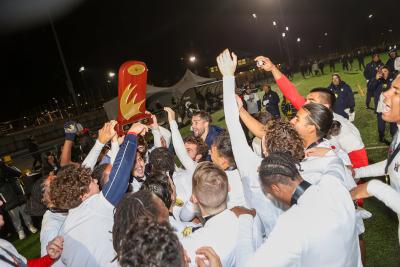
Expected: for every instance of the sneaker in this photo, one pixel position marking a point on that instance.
(21, 234)
(32, 229)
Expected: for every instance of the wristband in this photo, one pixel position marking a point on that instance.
(70, 136)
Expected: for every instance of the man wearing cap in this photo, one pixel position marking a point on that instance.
(391, 60)
(344, 96)
(370, 73)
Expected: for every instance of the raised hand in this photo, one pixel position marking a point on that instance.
(227, 63)
(267, 64)
(139, 129)
(107, 132)
(207, 254)
(153, 118)
(171, 113)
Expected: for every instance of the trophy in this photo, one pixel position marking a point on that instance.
(132, 79)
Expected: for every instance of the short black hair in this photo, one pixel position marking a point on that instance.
(222, 142)
(278, 167)
(321, 117)
(158, 183)
(160, 159)
(152, 245)
(203, 115)
(329, 96)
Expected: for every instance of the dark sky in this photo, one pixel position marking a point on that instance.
(101, 35)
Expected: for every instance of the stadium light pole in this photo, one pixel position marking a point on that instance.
(275, 28)
(90, 92)
(68, 80)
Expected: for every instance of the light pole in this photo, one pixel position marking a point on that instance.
(275, 27)
(91, 94)
(110, 80)
(193, 61)
(69, 83)
(58, 107)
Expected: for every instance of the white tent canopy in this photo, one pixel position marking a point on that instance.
(162, 94)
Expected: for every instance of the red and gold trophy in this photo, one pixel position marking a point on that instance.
(132, 80)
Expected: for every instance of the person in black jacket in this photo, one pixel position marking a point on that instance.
(379, 85)
(13, 196)
(360, 59)
(344, 96)
(271, 101)
(370, 73)
(390, 62)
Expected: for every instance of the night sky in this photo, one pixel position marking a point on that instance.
(101, 35)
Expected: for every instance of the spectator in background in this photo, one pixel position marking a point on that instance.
(33, 149)
(345, 63)
(252, 101)
(321, 65)
(360, 59)
(370, 74)
(379, 85)
(271, 101)
(344, 96)
(350, 60)
(49, 163)
(315, 68)
(288, 109)
(391, 60)
(13, 196)
(332, 64)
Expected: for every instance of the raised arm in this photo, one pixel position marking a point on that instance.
(70, 131)
(105, 135)
(177, 141)
(242, 152)
(117, 184)
(160, 134)
(256, 127)
(287, 87)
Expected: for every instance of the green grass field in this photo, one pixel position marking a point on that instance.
(381, 238)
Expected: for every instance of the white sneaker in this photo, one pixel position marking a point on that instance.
(21, 234)
(32, 229)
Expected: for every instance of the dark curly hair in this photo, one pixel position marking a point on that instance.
(151, 245)
(136, 207)
(280, 136)
(158, 183)
(69, 186)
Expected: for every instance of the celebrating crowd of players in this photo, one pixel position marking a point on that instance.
(210, 199)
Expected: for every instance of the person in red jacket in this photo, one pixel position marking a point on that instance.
(9, 256)
(349, 138)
